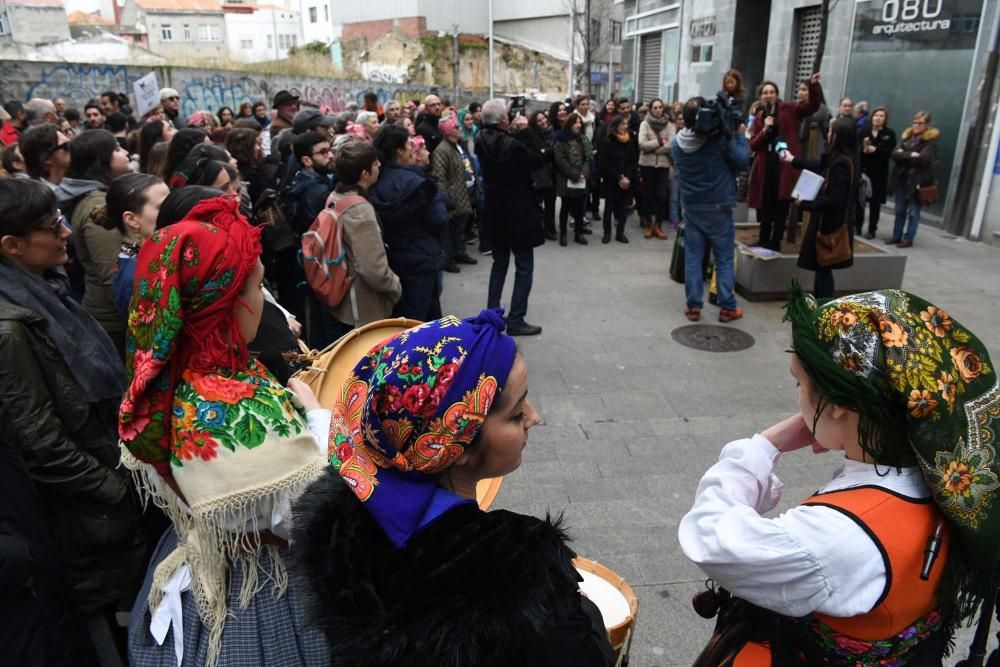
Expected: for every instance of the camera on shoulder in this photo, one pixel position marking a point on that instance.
(718, 117)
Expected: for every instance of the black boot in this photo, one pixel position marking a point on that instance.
(620, 237)
(562, 237)
(580, 238)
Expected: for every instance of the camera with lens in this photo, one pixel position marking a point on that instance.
(718, 117)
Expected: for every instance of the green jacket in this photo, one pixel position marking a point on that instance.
(448, 167)
(572, 159)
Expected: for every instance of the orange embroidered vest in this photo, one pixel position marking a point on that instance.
(899, 527)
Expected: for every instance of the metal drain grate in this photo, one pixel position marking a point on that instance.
(712, 338)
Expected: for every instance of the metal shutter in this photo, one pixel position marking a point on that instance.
(808, 20)
(649, 64)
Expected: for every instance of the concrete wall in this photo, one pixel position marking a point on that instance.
(549, 34)
(701, 78)
(37, 25)
(199, 89)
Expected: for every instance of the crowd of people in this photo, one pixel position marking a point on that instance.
(158, 273)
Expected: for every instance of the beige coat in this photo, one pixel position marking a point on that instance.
(651, 152)
(376, 287)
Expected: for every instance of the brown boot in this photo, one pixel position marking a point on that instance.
(648, 234)
(658, 231)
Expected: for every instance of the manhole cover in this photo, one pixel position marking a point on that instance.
(712, 338)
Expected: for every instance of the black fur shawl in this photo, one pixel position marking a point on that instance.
(474, 588)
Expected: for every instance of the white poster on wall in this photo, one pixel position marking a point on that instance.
(147, 94)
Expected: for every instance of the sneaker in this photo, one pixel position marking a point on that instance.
(465, 259)
(523, 329)
(726, 315)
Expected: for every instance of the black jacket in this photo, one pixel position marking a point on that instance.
(513, 214)
(305, 198)
(834, 206)
(70, 448)
(915, 172)
(616, 159)
(876, 165)
(427, 127)
(491, 589)
(414, 218)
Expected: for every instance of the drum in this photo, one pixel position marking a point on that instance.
(332, 366)
(617, 601)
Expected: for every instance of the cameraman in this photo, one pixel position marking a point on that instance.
(708, 156)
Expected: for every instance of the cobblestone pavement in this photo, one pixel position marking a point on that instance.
(631, 419)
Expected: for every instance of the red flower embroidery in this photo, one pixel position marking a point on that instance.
(388, 399)
(344, 452)
(848, 645)
(215, 388)
(447, 373)
(146, 312)
(144, 368)
(414, 398)
(133, 427)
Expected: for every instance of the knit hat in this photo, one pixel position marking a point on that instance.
(167, 93)
(924, 388)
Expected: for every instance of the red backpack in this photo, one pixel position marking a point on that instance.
(323, 255)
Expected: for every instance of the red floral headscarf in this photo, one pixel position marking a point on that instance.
(183, 318)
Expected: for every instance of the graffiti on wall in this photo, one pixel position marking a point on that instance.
(80, 83)
(199, 89)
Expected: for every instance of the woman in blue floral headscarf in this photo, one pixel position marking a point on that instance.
(400, 564)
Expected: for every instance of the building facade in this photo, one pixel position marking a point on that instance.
(190, 29)
(33, 22)
(256, 33)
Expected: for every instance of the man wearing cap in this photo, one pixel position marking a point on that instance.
(312, 120)
(170, 100)
(285, 106)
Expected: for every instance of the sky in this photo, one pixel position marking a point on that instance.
(81, 6)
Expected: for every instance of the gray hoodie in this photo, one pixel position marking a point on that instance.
(689, 141)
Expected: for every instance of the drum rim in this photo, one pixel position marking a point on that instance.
(603, 571)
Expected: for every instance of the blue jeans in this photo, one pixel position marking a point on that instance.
(524, 269)
(906, 202)
(709, 225)
(675, 200)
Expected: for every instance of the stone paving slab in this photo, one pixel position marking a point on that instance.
(631, 419)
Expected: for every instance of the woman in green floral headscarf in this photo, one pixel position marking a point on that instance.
(883, 562)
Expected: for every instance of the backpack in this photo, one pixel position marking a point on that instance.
(323, 255)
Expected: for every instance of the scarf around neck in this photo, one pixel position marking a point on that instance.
(84, 345)
(657, 123)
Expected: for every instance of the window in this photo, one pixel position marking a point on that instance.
(166, 33)
(295, 40)
(701, 53)
(246, 44)
(616, 32)
(270, 41)
(3, 23)
(187, 32)
(312, 14)
(209, 33)
(326, 12)
(595, 32)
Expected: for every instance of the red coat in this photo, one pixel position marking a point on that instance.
(790, 117)
(9, 134)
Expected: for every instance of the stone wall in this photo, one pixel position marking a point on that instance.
(199, 88)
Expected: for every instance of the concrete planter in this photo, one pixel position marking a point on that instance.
(768, 279)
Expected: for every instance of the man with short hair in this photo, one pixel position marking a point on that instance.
(393, 112)
(117, 124)
(512, 214)
(285, 106)
(706, 171)
(170, 100)
(371, 104)
(46, 153)
(10, 133)
(427, 122)
(375, 289)
(40, 111)
(60, 105)
(94, 116)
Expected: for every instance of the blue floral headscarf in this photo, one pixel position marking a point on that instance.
(409, 410)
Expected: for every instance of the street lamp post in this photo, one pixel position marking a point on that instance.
(491, 49)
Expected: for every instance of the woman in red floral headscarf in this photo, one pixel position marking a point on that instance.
(220, 445)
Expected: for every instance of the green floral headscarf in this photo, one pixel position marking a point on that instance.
(924, 390)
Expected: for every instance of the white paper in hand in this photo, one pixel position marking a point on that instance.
(808, 186)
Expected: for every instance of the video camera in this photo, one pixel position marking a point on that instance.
(718, 117)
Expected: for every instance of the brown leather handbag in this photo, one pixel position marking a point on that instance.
(836, 247)
(928, 194)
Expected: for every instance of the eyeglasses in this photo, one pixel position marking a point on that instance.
(53, 227)
(64, 146)
(323, 151)
(173, 97)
